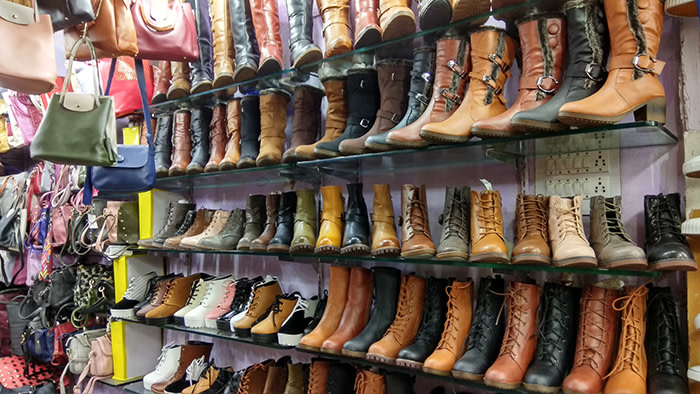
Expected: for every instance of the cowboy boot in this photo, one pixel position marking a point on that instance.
(301, 30)
(543, 45)
(462, 9)
(182, 143)
(393, 77)
(384, 240)
(284, 229)
(223, 43)
(267, 30)
(330, 233)
(612, 245)
(488, 244)
(163, 144)
(367, 31)
(666, 247)
(454, 239)
(338, 291)
(368, 382)
(570, 247)
(356, 233)
(217, 138)
(416, 242)
(250, 131)
(336, 116)
(199, 129)
(306, 123)
(318, 376)
(233, 128)
(272, 204)
(244, 41)
(451, 70)
(355, 313)
(492, 55)
(632, 84)
(336, 26)
(304, 223)
(434, 13)
(531, 237)
(180, 83)
(273, 112)
(585, 72)
(255, 214)
(202, 70)
(161, 81)
(396, 19)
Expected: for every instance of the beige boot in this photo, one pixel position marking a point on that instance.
(570, 247)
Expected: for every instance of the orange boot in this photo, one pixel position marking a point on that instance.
(337, 297)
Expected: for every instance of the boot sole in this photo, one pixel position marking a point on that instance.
(258, 248)
(652, 110)
(245, 163)
(267, 161)
(531, 259)
(566, 391)
(494, 257)
(227, 167)
(244, 73)
(453, 256)
(213, 168)
(351, 353)
(673, 265)
(324, 154)
(541, 389)
(159, 321)
(468, 8)
(355, 250)
(536, 125)
(426, 253)
(211, 248)
(330, 351)
(434, 13)
(242, 332)
(402, 24)
(369, 36)
(502, 385)
(223, 80)
(278, 248)
(377, 147)
(269, 66)
(177, 94)
(307, 347)
(577, 262)
(386, 252)
(289, 339)
(380, 359)
(196, 170)
(402, 362)
(624, 264)
(177, 172)
(442, 138)
(351, 151)
(265, 338)
(179, 320)
(437, 371)
(327, 249)
(468, 376)
(201, 87)
(301, 249)
(311, 55)
(488, 133)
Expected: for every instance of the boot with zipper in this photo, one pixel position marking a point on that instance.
(612, 245)
(202, 71)
(367, 31)
(233, 130)
(368, 382)
(284, 228)
(336, 26)
(488, 244)
(434, 13)
(180, 83)
(223, 44)
(182, 143)
(338, 291)
(570, 247)
(336, 116)
(384, 239)
(396, 19)
(272, 204)
(416, 242)
(330, 234)
(255, 214)
(301, 28)
(199, 129)
(306, 123)
(273, 112)
(304, 223)
(531, 236)
(245, 43)
(163, 144)
(267, 30)
(454, 239)
(217, 138)
(161, 81)
(250, 130)
(666, 247)
(355, 313)
(356, 233)
(263, 296)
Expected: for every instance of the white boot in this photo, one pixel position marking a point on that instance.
(215, 293)
(168, 361)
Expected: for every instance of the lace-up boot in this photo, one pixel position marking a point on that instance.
(243, 288)
(166, 367)
(570, 247)
(488, 244)
(338, 290)
(293, 327)
(613, 247)
(266, 330)
(459, 319)
(384, 240)
(193, 373)
(230, 234)
(454, 241)
(190, 227)
(205, 382)
(262, 298)
(157, 297)
(520, 339)
(318, 376)
(297, 378)
(197, 293)
(254, 378)
(176, 215)
(416, 242)
(355, 313)
(176, 296)
(368, 382)
(667, 248)
(531, 238)
(188, 353)
(341, 379)
(216, 291)
(137, 291)
(223, 307)
(214, 227)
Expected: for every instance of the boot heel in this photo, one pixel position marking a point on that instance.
(653, 111)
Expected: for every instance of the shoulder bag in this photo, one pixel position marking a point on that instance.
(67, 13)
(99, 366)
(112, 32)
(165, 30)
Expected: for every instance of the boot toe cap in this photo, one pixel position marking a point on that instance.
(416, 352)
(441, 360)
(542, 374)
(583, 380)
(666, 383)
(472, 363)
(504, 371)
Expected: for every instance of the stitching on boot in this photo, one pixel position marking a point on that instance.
(455, 79)
(571, 4)
(637, 31)
(547, 56)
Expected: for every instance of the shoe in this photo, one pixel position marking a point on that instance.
(157, 297)
(691, 168)
(197, 293)
(297, 376)
(176, 297)
(255, 215)
(356, 233)
(223, 307)
(341, 378)
(233, 128)
(199, 130)
(570, 248)
(263, 296)
(136, 292)
(336, 26)
(318, 376)
(454, 238)
(416, 241)
(188, 352)
(368, 382)
(222, 44)
(338, 291)
(180, 83)
(488, 244)
(531, 233)
(214, 227)
(462, 9)
(330, 234)
(250, 130)
(254, 378)
(202, 70)
(216, 290)
(613, 247)
(168, 362)
(273, 112)
(396, 19)
(266, 330)
(239, 303)
(187, 222)
(434, 13)
(201, 221)
(306, 124)
(151, 292)
(292, 329)
(367, 30)
(229, 236)
(276, 381)
(205, 383)
(161, 81)
(197, 368)
(666, 247)
(218, 137)
(177, 210)
(245, 42)
(272, 205)
(384, 239)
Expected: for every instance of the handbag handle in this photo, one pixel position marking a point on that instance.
(151, 23)
(69, 70)
(19, 14)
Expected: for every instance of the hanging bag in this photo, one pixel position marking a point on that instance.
(112, 33)
(99, 366)
(67, 13)
(165, 30)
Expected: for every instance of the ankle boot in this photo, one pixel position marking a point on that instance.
(163, 144)
(355, 313)
(176, 215)
(254, 378)
(161, 81)
(486, 333)
(386, 294)
(336, 26)
(416, 241)
(531, 237)
(182, 143)
(233, 128)
(199, 129)
(217, 138)
(488, 244)
(368, 382)
(556, 340)
(632, 84)
(197, 225)
(255, 215)
(543, 43)
(462, 9)
(250, 130)
(180, 83)
(318, 376)
(404, 328)
(393, 77)
(356, 233)
(613, 246)
(240, 299)
(454, 239)
(421, 85)
(570, 247)
(341, 378)
(202, 70)
(264, 295)
(363, 102)
(336, 117)
(330, 233)
(277, 377)
(272, 204)
(304, 223)
(301, 30)
(492, 55)
(666, 247)
(230, 234)
(459, 318)
(265, 331)
(215, 226)
(367, 31)
(518, 347)
(451, 71)
(273, 112)
(338, 291)
(432, 324)
(175, 298)
(284, 228)
(297, 376)
(396, 19)
(384, 240)
(244, 41)
(306, 123)
(188, 353)
(223, 44)
(434, 13)
(267, 30)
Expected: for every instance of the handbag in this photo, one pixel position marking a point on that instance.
(48, 387)
(100, 365)
(127, 228)
(11, 232)
(27, 114)
(13, 376)
(93, 293)
(165, 30)
(22, 28)
(123, 86)
(16, 323)
(112, 32)
(77, 347)
(67, 13)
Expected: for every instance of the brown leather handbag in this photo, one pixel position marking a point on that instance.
(165, 30)
(112, 33)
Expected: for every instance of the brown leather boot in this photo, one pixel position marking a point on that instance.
(613, 246)
(330, 234)
(355, 313)
(223, 43)
(318, 376)
(267, 31)
(336, 26)
(306, 123)
(176, 295)
(201, 221)
(180, 82)
(188, 353)
(297, 378)
(182, 143)
(254, 378)
(531, 234)
(233, 147)
(384, 240)
(368, 382)
(272, 203)
(462, 9)
(488, 244)
(396, 19)
(367, 31)
(161, 81)
(570, 247)
(273, 119)
(337, 297)
(520, 338)
(262, 298)
(416, 242)
(276, 377)
(217, 138)
(336, 116)
(404, 329)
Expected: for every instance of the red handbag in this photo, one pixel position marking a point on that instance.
(124, 88)
(165, 31)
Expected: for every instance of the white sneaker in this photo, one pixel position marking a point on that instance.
(691, 168)
(694, 373)
(199, 290)
(215, 293)
(168, 361)
(135, 293)
(239, 316)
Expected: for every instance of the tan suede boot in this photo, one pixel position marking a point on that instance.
(273, 119)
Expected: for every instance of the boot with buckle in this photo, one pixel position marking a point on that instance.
(613, 246)
(330, 234)
(531, 236)
(336, 26)
(384, 239)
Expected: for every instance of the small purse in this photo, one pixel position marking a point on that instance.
(165, 30)
(100, 365)
(67, 13)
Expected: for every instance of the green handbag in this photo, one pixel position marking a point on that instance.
(78, 128)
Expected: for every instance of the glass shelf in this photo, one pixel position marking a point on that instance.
(213, 180)
(136, 388)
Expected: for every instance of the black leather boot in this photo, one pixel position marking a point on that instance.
(386, 297)
(356, 233)
(666, 346)
(255, 214)
(285, 224)
(250, 130)
(202, 71)
(301, 30)
(230, 234)
(240, 299)
(432, 324)
(244, 41)
(399, 383)
(341, 379)
(176, 216)
(666, 247)
(454, 238)
(556, 340)
(163, 144)
(199, 129)
(486, 333)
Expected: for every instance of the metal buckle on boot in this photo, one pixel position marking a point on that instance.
(490, 82)
(635, 62)
(450, 96)
(498, 60)
(396, 118)
(427, 77)
(422, 98)
(364, 123)
(542, 78)
(452, 65)
(590, 67)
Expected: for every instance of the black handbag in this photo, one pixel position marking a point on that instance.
(67, 13)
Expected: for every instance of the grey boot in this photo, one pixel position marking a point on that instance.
(244, 41)
(176, 215)
(613, 247)
(255, 215)
(454, 239)
(301, 29)
(230, 234)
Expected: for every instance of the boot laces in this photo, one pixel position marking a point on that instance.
(227, 292)
(430, 319)
(276, 308)
(169, 291)
(592, 323)
(481, 324)
(402, 311)
(516, 319)
(239, 297)
(449, 335)
(154, 296)
(253, 303)
(533, 217)
(489, 221)
(551, 327)
(195, 370)
(163, 353)
(417, 215)
(168, 221)
(194, 293)
(209, 295)
(365, 381)
(570, 221)
(314, 380)
(245, 380)
(129, 293)
(668, 351)
(456, 220)
(664, 220)
(613, 217)
(632, 335)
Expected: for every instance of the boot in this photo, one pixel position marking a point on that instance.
(230, 234)
(336, 26)
(396, 19)
(250, 130)
(266, 330)
(284, 228)
(416, 241)
(486, 333)
(240, 299)
(488, 244)
(306, 123)
(156, 297)
(556, 340)
(434, 13)
(272, 204)
(301, 30)
(363, 102)
(459, 318)
(175, 299)
(341, 378)
(629, 372)
(336, 117)
(613, 246)
(161, 81)
(518, 347)
(421, 84)
(277, 377)
(399, 383)
(454, 239)
(215, 226)
(163, 144)
(632, 84)
(255, 215)
(244, 41)
(223, 43)
(202, 70)
(368, 382)
(337, 297)
(318, 376)
(297, 377)
(462, 9)
(233, 147)
(304, 223)
(273, 112)
(175, 217)
(543, 43)
(595, 344)
(492, 55)
(570, 247)
(330, 234)
(451, 71)
(199, 224)
(356, 233)
(432, 324)
(393, 77)
(404, 329)
(267, 30)
(355, 313)
(182, 143)
(180, 83)
(254, 378)
(666, 247)
(264, 295)
(681, 8)
(384, 240)
(217, 138)
(199, 129)
(188, 353)
(585, 72)
(386, 294)
(531, 237)
(367, 31)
